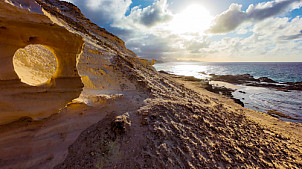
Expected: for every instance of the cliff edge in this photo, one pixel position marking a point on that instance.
(105, 108)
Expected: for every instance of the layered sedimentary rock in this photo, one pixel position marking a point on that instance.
(108, 88)
(19, 28)
(128, 115)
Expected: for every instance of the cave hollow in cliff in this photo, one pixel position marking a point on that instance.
(27, 29)
(34, 64)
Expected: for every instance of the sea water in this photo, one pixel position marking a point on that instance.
(257, 98)
(278, 71)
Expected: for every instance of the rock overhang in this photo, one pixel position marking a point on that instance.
(25, 28)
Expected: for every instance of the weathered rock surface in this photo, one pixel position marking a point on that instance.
(128, 115)
(34, 64)
(60, 27)
(239, 79)
(19, 28)
(266, 79)
(249, 80)
(293, 85)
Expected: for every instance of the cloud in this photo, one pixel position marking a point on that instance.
(152, 15)
(103, 12)
(113, 12)
(196, 45)
(229, 20)
(151, 46)
(292, 37)
(148, 17)
(270, 40)
(265, 33)
(137, 29)
(234, 16)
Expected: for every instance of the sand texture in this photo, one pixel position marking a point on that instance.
(126, 114)
(196, 130)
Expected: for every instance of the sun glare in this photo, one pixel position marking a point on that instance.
(194, 19)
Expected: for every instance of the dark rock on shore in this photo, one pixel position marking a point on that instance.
(277, 114)
(206, 85)
(224, 91)
(266, 79)
(164, 72)
(204, 73)
(294, 85)
(242, 92)
(238, 79)
(249, 80)
(238, 101)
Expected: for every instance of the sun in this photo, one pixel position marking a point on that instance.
(193, 19)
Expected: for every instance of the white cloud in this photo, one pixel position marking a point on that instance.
(267, 42)
(103, 11)
(145, 18)
(234, 16)
(152, 15)
(264, 33)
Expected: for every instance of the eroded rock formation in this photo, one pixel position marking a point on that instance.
(34, 64)
(161, 123)
(249, 80)
(19, 28)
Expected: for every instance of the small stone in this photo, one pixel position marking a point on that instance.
(92, 153)
(118, 125)
(144, 121)
(185, 121)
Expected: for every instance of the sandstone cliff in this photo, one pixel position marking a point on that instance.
(20, 28)
(105, 108)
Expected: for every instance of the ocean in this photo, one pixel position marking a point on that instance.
(257, 98)
(278, 71)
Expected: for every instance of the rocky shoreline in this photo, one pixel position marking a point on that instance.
(127, 115)
(246, 80)
(204, 83)
(249, 80)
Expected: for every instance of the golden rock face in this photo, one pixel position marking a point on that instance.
(25, 28)
(34, 64)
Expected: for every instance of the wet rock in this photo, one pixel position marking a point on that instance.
(266, 79)
(204, 73)
(238, 101)
(294, 85)
(248, 80)
(238, 79)
(161, 71)
(226, 92)
(277, 114)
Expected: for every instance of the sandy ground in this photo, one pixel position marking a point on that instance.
(44, 143)
(180, 126)
(198, 129)
(293, 130)
(160, 123)
(224, 84)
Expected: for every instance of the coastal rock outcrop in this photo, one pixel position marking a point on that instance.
(19, 28)
(249, 80)
(266, 79)
(128, 115)
(239, 79)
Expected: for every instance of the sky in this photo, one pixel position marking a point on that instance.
(203, 30)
